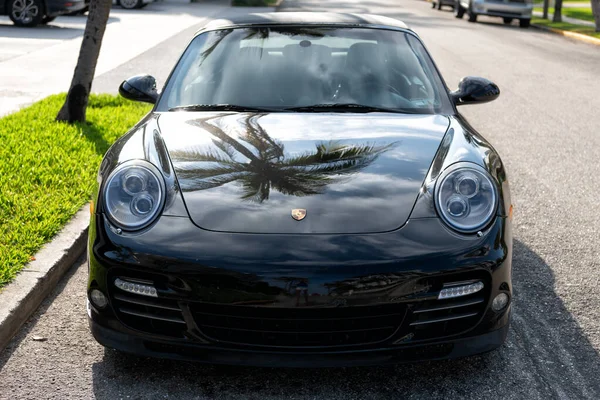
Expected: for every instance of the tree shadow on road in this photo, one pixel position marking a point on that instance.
(546, 356)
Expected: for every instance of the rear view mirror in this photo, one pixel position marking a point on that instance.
(475, 90)
(139, 88)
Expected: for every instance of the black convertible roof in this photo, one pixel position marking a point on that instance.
(304, 18)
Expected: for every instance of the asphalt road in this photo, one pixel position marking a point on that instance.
(545, 125)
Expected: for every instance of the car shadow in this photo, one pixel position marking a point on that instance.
(63, 28)
(497, 23)
(47, 32)
(546, 354)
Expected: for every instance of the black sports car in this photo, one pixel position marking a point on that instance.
(303, 193)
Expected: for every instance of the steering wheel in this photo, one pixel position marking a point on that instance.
(382, 92)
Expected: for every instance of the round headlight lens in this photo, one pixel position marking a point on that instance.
(466, 197)
(134, 195)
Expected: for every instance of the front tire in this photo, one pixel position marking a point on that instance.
(47, 20)
(130, 4)
(26, 13)
(507, 21)
(472, 16)
(524, 23)
(459, 10)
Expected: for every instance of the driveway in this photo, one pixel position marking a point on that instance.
(36, 62)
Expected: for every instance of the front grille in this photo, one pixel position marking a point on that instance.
(152, 315)
(285, 327)
(438, 318)
(502, 12)
(415, 316)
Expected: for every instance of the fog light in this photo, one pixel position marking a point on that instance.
(98, 298)
(136, 288)
(460, 290)
(500, 302)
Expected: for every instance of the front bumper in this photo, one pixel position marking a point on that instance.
(61, 7)
(503, 9)
(220, 293)
(216, 355)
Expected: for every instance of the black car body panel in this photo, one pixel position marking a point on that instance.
(356, 282)
(378, 197)
(387, 278)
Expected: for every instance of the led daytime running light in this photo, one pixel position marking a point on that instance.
(459, 291)
(136, 288)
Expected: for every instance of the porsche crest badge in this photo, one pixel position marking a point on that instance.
(298, 214)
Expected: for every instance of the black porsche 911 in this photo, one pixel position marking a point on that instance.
(303, 193)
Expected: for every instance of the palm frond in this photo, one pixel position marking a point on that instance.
(197, 154)
(214, 130)
(192, 172)
(334, 152)
(194, 183)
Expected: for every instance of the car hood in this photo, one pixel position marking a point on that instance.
(300, 173)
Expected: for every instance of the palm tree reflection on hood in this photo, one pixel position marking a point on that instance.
(265, 166)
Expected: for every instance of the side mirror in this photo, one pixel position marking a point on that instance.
(475, 90)
(139, 88)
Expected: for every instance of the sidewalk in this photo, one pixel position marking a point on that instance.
(37, 62)
(567, 19)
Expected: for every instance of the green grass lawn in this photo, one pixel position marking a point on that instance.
(48, 169)
(577, 12)
(565, 26)
(538, 3)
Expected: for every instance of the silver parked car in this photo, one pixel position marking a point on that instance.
(506, 9)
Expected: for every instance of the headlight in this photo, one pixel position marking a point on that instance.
(466, 197)
(134, 195)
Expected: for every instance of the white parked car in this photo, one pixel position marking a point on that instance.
(132, 4)
(506, 9)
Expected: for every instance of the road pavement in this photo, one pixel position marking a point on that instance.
(545, 127)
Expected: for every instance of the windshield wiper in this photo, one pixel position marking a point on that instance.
(220, 107)
(348, 107)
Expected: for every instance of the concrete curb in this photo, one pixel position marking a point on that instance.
(21, 298)
(572, 35)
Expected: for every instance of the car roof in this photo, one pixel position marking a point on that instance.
(305, 18)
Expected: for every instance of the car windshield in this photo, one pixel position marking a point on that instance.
(305, 69)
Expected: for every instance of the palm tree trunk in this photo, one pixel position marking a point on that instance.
(596, 12)
(557, 11)
(546, 5)
(77, 99)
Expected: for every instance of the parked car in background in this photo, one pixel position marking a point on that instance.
(440, 3)
(132, 4)
(29, 13)
(127, 4)
(506, 9)
(82, 11)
